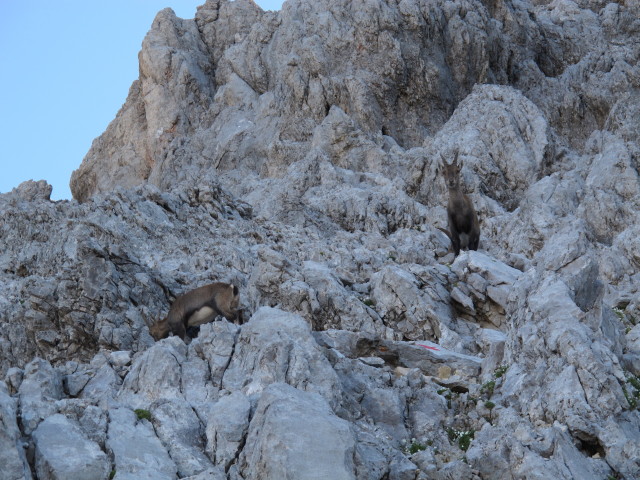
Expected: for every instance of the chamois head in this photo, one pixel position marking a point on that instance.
(451, 172)
(159, 328)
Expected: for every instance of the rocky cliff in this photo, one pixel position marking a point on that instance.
(295, 154)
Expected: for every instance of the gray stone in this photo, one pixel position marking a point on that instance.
(75, 382)
(455, 469)
(294, 434)
(137, 452)
(416, 313)
(94, 422)
(402, 468)
(12, 454)
(295, 154)
(30, 190)
(155, 375)
(430, 357)
(38, 392)
(227, 427)
(215, 344)
(463, 299)
(102, 385)
(633, 340)
(490, 281)
(180, 431)
(210, 474)
(383, 406)
(373, 361)
(279, 347)
(492, 343)
(562, 333)
(631, 362)
(120, 358)
(64, 452)
(13, 379)
(197, 385)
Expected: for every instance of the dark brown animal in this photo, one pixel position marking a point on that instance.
(464, 228)
(197, 307)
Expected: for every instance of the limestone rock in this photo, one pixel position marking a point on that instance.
(30, 190)
(62, 451)
(136, 451)
(38, 392)
(400, 301)
(488, 283)
(294, 434)
(295, 154)
(227, 428)
(155, 375)
(279, 347)
(12, 454)
(180, 430)
(211, 474)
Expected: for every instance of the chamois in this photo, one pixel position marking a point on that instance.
(464, 228)
(197, 307)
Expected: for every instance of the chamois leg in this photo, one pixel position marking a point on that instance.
(455, 243)
(474, 243)
(455, 239)
(454, 235)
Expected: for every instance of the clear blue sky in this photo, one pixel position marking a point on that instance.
(65, 70)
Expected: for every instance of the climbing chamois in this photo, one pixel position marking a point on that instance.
(464, 228)
(199, 306)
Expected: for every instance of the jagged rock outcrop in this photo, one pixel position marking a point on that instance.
(295, 154)
(62, 450)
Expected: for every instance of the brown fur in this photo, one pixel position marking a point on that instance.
(199, 306)
(464, 227)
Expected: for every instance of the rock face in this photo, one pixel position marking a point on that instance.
(63, 451)
(295, 154)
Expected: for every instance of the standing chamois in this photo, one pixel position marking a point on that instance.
(464, 228)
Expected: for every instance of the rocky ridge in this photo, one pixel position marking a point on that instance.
(295, 154)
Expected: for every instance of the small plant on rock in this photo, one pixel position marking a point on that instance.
(141, 413)
(448, 394)
(409, 448)
(369, 302)
(633, 394)
(633, 403)
(462, 437)
(500, 371)
(490, 406)
(465, 440)
(488, 388)
(619, 312)
(625, 317)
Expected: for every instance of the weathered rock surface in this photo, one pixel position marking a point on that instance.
(136, 450)
(12, 454)
(295, 154)
(227, 427)
(295, 434)
(63, 451)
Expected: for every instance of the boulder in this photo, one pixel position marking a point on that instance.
(294, 434)
(63, 451)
